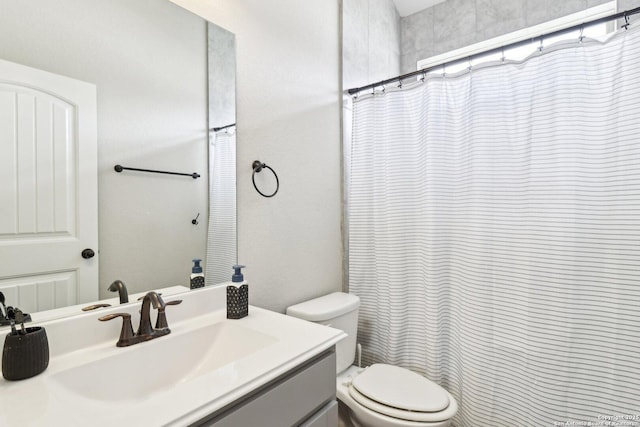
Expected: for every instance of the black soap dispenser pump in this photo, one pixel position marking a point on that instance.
(237, 295)
(197, 276)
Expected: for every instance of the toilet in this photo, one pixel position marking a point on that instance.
(380, 395)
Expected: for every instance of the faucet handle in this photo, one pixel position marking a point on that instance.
(126, 333)
(95, 306)
(142, 297)
(161, 320)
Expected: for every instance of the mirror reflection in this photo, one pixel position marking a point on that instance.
(222, 250)
(139, 84)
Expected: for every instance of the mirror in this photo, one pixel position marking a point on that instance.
(163, 77)
(222, 155)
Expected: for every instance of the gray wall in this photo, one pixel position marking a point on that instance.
(370, 41)
(148, 61)
(458, 23)
(288, 113)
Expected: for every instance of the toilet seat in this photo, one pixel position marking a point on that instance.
(402, 394)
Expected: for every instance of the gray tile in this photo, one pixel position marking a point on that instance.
(538, 11)
(384, 26)
(396, 22)
(407, 63)
(592, 3)
(356, 10)
(355, 17)
(627, 4)
(417, 31)
(371, 41)
(497, 17)
(394, 65)
(355, 75)
(355, 22)
(384, 41)
(355, 41)
(379, 67)
(454, 24)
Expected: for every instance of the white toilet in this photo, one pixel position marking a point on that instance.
(380, 395)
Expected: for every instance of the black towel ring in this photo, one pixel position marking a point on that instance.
(257, 166)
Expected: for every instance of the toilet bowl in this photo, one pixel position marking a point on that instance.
(381, 395)
(386, 395)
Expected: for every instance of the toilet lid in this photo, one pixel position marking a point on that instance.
(401, 389)
(401, 414)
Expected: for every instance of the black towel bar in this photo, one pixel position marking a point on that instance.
(119, 168)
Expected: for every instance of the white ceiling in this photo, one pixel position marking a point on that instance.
(408, 7)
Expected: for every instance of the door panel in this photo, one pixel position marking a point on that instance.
(41, 292)
(48, 198)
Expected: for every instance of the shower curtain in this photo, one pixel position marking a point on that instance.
(494, 234)
(221, 237)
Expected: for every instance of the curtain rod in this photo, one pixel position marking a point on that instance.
(223, 127)
(615, 16)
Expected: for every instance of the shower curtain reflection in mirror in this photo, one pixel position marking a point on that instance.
(222, 230)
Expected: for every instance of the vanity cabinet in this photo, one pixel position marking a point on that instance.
(304, 396)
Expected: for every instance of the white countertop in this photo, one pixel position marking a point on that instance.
(72, 310)
(81, 340)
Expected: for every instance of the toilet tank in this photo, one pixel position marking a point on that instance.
(338, 310)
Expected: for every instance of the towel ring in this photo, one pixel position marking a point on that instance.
(257, 166)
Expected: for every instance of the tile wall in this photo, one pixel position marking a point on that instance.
(458, 23)
(371, 41)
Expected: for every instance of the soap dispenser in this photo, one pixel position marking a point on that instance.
(197, 276)
(237, 295)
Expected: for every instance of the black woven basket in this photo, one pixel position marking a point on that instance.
(25, 356)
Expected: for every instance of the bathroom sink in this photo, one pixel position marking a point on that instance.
(206, 364)
(158, 365)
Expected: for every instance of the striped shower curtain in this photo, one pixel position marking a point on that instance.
(222, 234)
(494, 234)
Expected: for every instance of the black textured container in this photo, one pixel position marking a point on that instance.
(25, 356)
(197, 282)
(237, 301)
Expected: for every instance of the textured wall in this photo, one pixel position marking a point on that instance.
(288, 113)
(458, 23)
(370, 41)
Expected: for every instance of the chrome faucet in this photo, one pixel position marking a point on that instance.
(119, 286)
(145, 331)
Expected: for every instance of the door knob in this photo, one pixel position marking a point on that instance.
(88, 253)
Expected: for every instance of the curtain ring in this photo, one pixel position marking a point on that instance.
(424, 76)
(626, 22)
(581, 37)
(257, 166)
(503, 58)
(541, 44)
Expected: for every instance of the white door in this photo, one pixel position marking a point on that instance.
(48, 189)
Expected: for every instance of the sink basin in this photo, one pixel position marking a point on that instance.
(160, 364)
